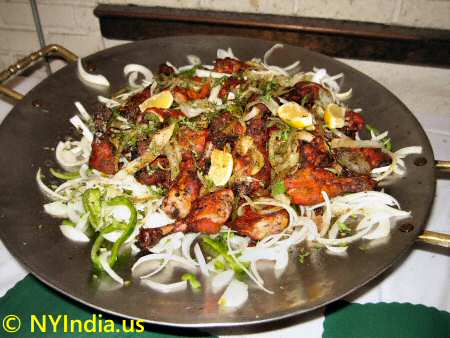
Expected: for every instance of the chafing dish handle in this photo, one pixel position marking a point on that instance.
(432, 237)
(29, 60)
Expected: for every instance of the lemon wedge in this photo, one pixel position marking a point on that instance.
(221, 167)
(161, 100)
(295, 115)
(334, 116)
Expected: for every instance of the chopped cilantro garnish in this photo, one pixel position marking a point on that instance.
(302, 255)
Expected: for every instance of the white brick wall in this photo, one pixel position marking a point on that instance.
(72, 23)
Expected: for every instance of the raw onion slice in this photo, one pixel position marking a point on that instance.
(77, 123)
(201, 260)
(56, 209)
(208, 73)
(235, 295)
(228, 53)
(83, 112)
(105, 265)
(98, 80)
(221, 280)
(165, 288)
(46, 190)
(132, 70)
(165, 256)
(186, 246)
(73, 234)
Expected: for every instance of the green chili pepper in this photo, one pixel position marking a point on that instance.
(69, 223)
(92, 203)
(98, 243)
(129, 228)
(220, 249)
(192, 279)
(64, 175)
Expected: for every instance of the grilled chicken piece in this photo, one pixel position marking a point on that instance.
(192, 141)
(179, 199)
(361, 160)
(224, 129)
(305, 93)
(131, 110)
(246, 163)
(304, 187)
(315, 153)
(154, 174)
(229, 66)
(257, 226)
(102, 156)
(187, 94)
(208, 214)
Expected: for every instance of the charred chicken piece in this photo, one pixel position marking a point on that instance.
(305, 93)
(155, 174)
(353, 122)
(225, 129)
(179, 199)
(208, 214)
(315, 153)
(229, 66)
(165, 70)
(258, 225)
(188, 94)
(304, 187)
(103, 157)
(258, 158)
(101, 117)
(131, 109)
(361, 160)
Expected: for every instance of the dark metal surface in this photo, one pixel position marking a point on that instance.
(34, 238)
(337, 38)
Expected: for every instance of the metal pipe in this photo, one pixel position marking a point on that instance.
(40, 33)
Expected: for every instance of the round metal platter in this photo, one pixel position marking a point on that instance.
(35, 239)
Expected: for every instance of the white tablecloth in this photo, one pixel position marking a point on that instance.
(422, 277)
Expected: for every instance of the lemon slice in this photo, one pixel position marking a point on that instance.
(161, 100)
(295, 115)
(334, 116)
(221, 167)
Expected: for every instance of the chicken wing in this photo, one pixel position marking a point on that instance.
(304, 187)
(208, 214)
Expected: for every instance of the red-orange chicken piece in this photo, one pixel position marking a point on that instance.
(208, 213)
(229, 66)
(304, 187)
(257, 226)
(102, 157)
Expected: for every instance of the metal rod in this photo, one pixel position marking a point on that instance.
(40, 33)
(435, 238)
(442, 165)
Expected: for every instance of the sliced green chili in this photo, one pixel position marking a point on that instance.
(92, 203)
(129, 228)
(64, 175)
(98, 243)
(192, 279)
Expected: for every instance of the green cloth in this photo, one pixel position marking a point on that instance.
(31, 297)
(385, 320)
